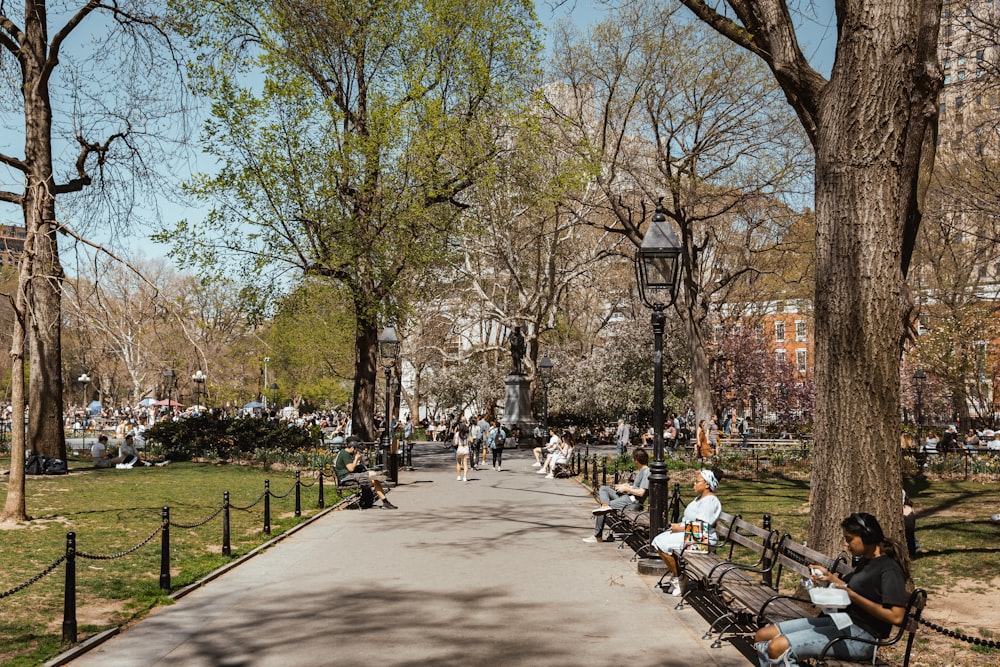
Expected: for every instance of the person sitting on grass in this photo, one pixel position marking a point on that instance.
(99, 453)
(622, 496)
(349, 468)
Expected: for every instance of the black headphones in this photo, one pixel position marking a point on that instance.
(869, 531)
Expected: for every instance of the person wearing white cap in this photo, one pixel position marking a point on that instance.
(704, 509)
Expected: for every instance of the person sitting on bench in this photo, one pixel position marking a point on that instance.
(877, 592)
(622, 496)
(704, 509)
(349, 468)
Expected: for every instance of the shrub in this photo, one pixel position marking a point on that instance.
(209, 436)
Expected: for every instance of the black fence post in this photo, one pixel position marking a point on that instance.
(322, 501)
(226, 549)
(586, 466)
(675, 500)
(604, 471)
(298, 494)
(69, 594)
(267, 507)
(615, 477)
(165, 550)
(766, 562)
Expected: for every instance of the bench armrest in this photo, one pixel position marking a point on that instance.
(761, 616)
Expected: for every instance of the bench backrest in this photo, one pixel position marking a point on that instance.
(798, 557)
(757, 540)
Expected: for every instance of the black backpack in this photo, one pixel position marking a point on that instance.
(55, 467)
(500, 439)
(35, 465)
(367, 498)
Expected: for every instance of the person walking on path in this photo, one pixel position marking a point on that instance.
(622, 436)
(498, 439)
(703, 449)
(463, 447)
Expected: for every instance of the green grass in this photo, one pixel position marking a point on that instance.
(111, 511)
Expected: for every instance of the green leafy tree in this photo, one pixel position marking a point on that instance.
(348, 161)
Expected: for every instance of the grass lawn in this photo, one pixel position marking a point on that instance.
(112, 511)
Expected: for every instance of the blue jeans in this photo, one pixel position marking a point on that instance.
(611, 497)
(808, 636)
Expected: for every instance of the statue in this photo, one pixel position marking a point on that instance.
(517, 350)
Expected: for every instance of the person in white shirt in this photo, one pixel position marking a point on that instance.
(551, 446)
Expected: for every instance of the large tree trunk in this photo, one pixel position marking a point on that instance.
(872, 126)
(363, 410)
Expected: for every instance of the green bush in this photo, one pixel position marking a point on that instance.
(208, 436)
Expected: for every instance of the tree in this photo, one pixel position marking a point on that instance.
(349, 162)
(71, 105)
(872, 126)
(707, 136)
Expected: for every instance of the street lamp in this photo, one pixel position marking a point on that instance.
(170, 379)
(388, 348)
(919, 378)
(274, 394)
(263, 389)
(84, 380)
(545, 375)
(657, 266)
(199, 379)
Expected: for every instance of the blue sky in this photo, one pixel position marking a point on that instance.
(816, 39)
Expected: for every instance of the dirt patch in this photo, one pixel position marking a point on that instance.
(968, 608)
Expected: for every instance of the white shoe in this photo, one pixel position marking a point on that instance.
(592, 540)
(542, 471)
(458, 479)
(675, 587)
(464, 479)
(550, 476)
(536, 464)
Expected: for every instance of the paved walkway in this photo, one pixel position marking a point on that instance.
(487, 572)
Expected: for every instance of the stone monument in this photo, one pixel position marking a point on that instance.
(517, 402)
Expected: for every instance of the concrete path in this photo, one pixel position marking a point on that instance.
(486, 572)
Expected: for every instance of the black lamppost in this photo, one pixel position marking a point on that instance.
(545, 376)
(274, 396)
(170, 379)
(84, 380)
(388, 348)
(657, 266)
(199, 387)
(919, 378)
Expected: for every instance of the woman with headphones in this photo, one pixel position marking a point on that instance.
(877, 592)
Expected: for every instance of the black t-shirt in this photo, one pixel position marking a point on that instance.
(880, 580)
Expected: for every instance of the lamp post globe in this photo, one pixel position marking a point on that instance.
(388, 348)
(657, 268)
(84, 380)
(199, 379)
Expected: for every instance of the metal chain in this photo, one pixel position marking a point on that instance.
(81, 554)
(200, 523)
(306, 486)
(287, 493)
(978, 641)
(259, 498)
(34, 579)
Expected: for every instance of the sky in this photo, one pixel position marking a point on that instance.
(816, 40)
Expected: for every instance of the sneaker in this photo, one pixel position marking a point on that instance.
(386, 505)
(464, 479)
(603, 509)
(536, 464)
(459, 478)
(550, 476)
(675, 587)
(542, 471)
(593, 539)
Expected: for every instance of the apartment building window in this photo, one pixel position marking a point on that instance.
(961, 75)
(801, 360)
(980, 55)
(961, 61)
(779, 332)
(800, 331)
(942, 108)
(779, 356)
(947, 63)
(947, 78)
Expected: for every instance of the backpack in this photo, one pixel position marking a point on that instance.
(367, 497)
(500, 438)
(35, 465)
(55, 467)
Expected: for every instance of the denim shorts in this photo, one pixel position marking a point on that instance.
(808, 636)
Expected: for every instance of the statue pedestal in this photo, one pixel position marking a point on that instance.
(517, 405)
